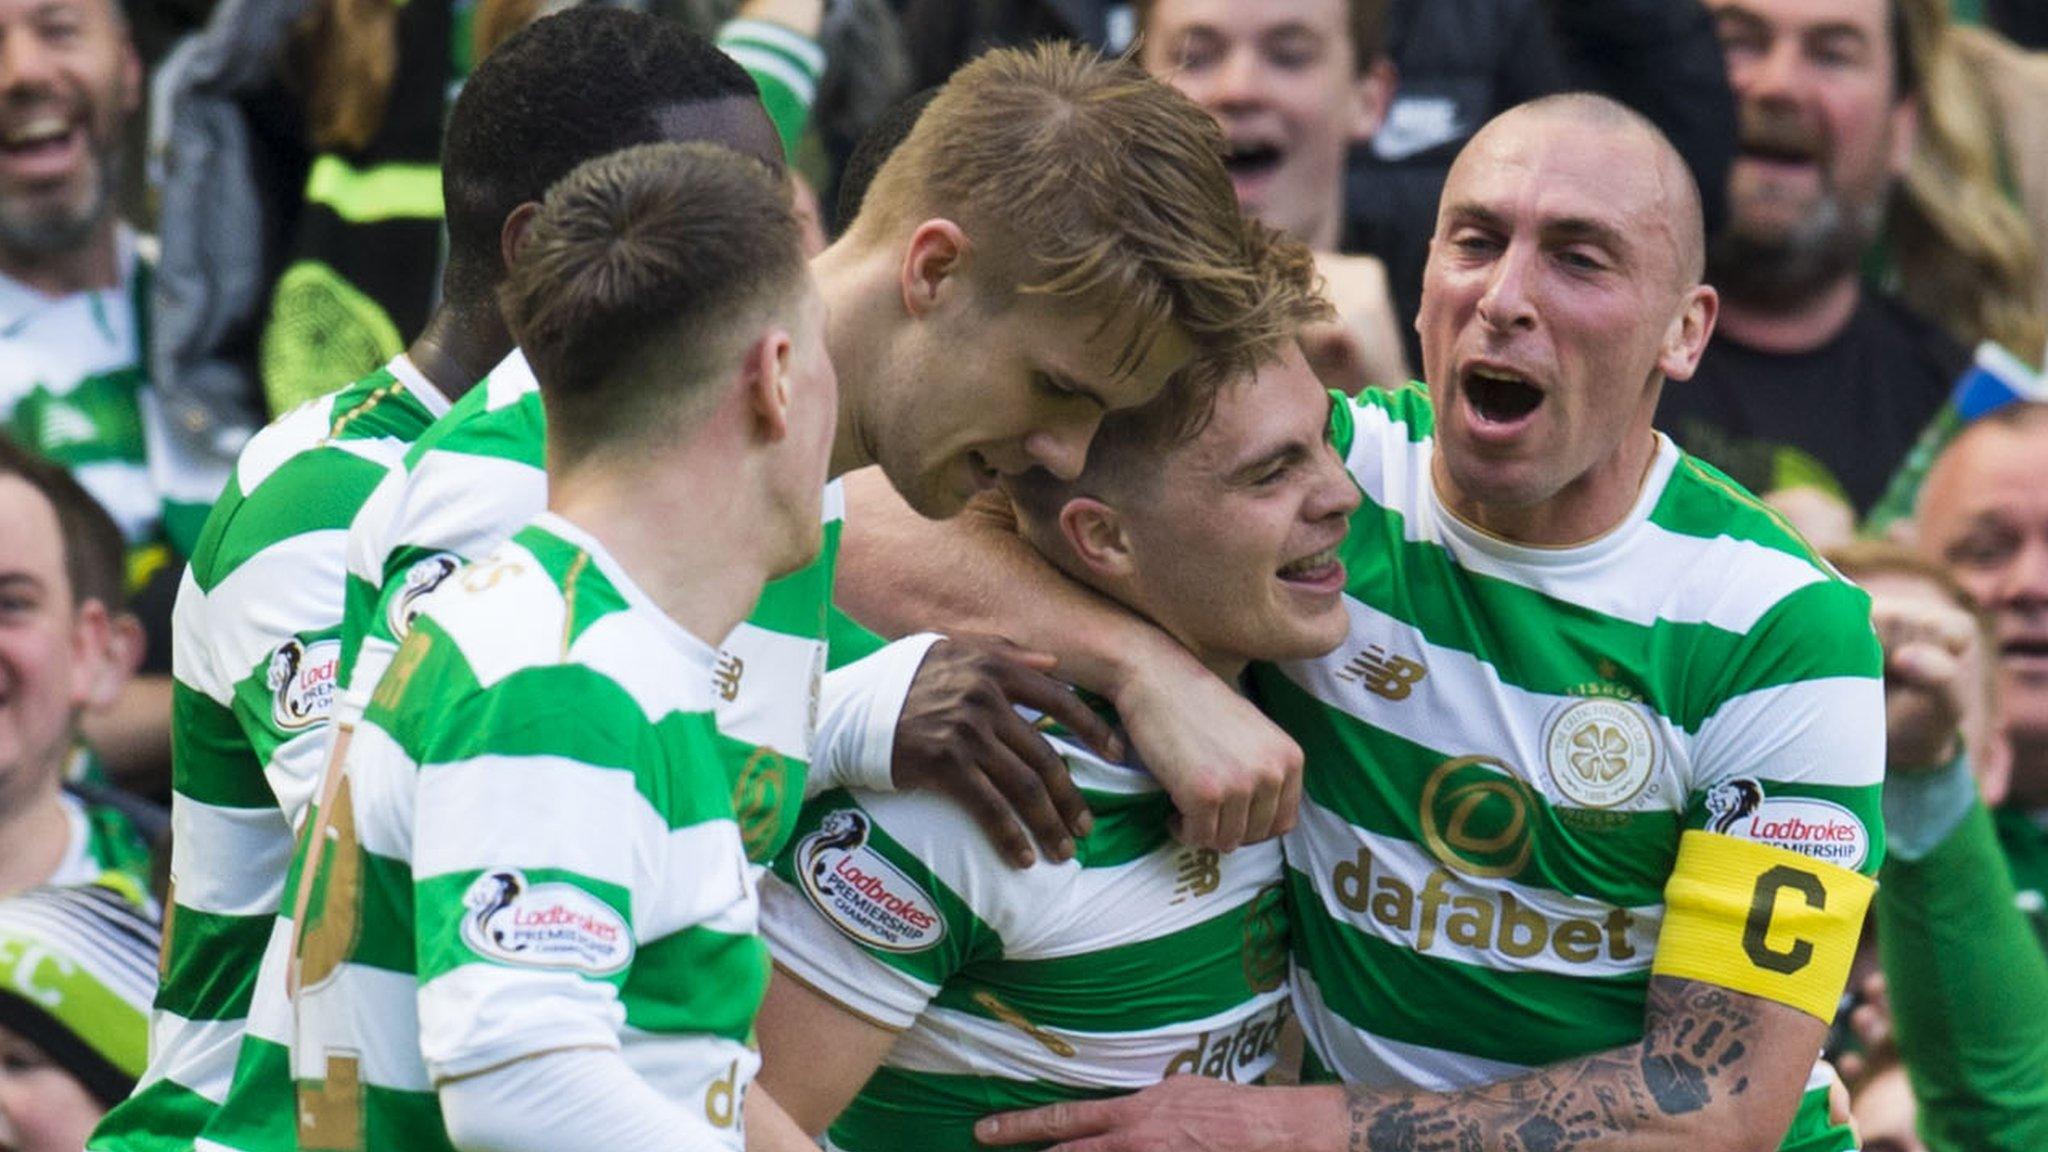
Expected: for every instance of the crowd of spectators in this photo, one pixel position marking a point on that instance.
(208, 216)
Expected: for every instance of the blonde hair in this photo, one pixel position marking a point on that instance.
(1965, 254)
(1083, 179)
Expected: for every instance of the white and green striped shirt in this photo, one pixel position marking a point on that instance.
(74, 388)
(254, 649)
(1503, 755)
(1139, 959)
(533, 847)
(472, 480)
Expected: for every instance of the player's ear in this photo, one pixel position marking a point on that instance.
(932, 263)
(512, 236)
(1685, 340)
(764, 378)
(1096, 534)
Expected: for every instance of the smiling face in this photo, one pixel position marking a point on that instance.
(68, 79)
(1282, 79)
(1228, 540)
(1984, 515)
(48, 662)
(1824, 133)
(980, 390)
(1560, 292)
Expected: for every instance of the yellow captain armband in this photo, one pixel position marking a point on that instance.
(1762, 920)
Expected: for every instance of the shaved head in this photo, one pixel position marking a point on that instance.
(1681, 193)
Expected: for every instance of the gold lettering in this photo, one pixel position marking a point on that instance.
(1577, 941)
(1394, 903)
(1618, 923)
(1523, 932)
(331, 1110)
(1471, 922)
(719, 1099)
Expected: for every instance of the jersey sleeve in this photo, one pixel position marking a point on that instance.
(530, 843)
(855, 909)
(1783, 826)
(450, 506)
(1969, 989)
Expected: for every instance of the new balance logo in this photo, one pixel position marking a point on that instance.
(1200, 872)
(726, 677)
(1387, 676)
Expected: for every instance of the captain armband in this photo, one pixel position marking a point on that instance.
(1762, 920)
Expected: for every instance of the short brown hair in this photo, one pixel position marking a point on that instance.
(1082, 178)
(1365, 20)
(643, 266)
(95, 556)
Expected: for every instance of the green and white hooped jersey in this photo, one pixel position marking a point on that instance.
(471, 481)
(1504, 754)
(254, 650)
(1139, 959)
(74, 387)
(532, 847)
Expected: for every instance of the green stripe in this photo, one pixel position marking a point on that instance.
(1684, 671)
(211, 760)
(1617, 857)
(697, 982)
(1399, 994)
(44, 419)
(162, 1117)
(932, 1112)
(592, 598)
(210, 972)
(381, 192)
(516, 432)
(317, 490)
(569, 711)
(1192, 974)
(261, 1111)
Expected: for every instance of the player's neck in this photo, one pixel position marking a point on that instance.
(854, 281)
(458, 346)
(1787, 330)
(702, 561)
(93, 265)
(36, 834)
(1585, 510)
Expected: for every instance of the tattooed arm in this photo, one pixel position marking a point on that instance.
(1715, 1069)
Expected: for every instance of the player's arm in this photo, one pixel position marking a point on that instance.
(1754, 953)
(1967, 981)
(841, 991)
(815, 1051)
(1233, 775)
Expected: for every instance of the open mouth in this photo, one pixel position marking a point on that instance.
(1499, 397)
(1252, 157)
(1319, 570)
(39, 142)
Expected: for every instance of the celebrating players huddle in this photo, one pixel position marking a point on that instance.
(516, 806)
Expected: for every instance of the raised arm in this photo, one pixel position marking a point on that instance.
(1234, 776)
